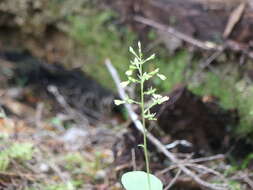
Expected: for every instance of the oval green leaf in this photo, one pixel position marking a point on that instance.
(137, 180)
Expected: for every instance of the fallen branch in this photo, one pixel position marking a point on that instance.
(229, 44)
(205, 159)
(191, 161)
(61, 100)
(234, 18)
(203, 45)
(210, 59)
(173, 181)
(245, 177)
(153, 139)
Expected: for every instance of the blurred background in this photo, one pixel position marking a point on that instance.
(59, 128)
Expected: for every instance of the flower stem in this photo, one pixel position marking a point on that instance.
(144, 128)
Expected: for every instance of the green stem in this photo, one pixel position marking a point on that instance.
(144, 129)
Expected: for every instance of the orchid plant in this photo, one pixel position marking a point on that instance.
(140, 180)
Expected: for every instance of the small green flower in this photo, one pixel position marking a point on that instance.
(133, 52)
(154, 72)
(162, 77)
(124, 84)
(163, 99)
(150, 91)
(129, 72)
(150, 58)
(119, 102)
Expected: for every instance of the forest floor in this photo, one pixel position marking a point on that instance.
(59, 127)
(49, 142)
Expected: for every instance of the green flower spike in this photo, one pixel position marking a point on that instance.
(139, 180)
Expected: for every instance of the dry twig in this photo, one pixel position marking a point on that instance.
(133, 159)
(234, 18)
(210, 158)
(245, 177)
(178, 34)
(173, 181)
(73, 113)
(210, 59)
(229, 44)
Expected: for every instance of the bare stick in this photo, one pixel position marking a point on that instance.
(205, 169)
(133, 159)
(172, 167)
(173, 181)
(178, 34)
(190, 161)
(210, 59)
(249, 181)
(243, 176)
(229, 44)
(74, 114)
(153, 139)
(205, 159)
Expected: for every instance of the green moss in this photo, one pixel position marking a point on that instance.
(221, 88)
(21, 151)
(224, 83)
(233, 93)
(16, 151)
(245, 107)
(174, 68)
(100, 39)
(74, 161)
(234, 185)
(4, 161)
